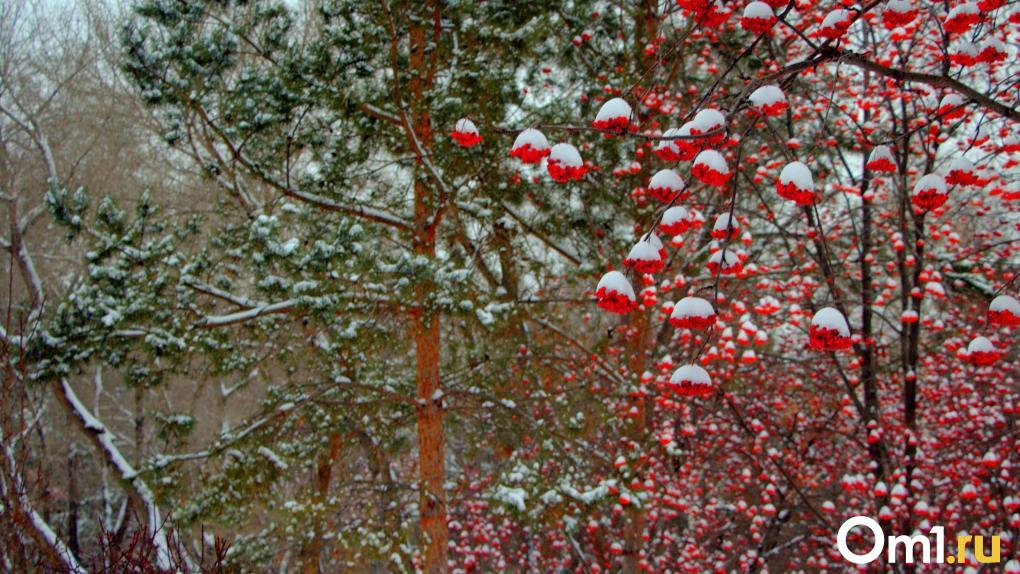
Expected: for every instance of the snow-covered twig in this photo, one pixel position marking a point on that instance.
(241, 316)
(13, 488)
(229, 438)
(354, 210)
(138, 490)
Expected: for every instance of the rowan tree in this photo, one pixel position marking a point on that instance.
(837, 258)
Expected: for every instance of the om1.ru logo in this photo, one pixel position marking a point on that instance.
(910, 544)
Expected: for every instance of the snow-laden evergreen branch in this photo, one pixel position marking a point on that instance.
(248, 314)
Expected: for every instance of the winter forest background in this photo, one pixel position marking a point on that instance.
(286, 288)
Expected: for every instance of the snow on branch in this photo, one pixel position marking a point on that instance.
(354, 210)
(41, 530)
(248, 314)
(138, 490)
(862, 61)
(376, 215)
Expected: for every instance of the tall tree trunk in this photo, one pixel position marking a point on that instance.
(323, 476)
(431, 436)
(646, 24)
(425, 319)
(72, 501)
(638, 424)
(866, 350)
(910, 332)
(425, 323)
(139, 424)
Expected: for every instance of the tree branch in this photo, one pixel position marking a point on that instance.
(137, 489)
(860, 61)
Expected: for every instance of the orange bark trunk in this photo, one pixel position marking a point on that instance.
(633, 533)
(423, 42)
(431, 441)
(646, 23)
(431, 434)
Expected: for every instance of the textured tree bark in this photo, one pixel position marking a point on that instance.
(72, 501)
(323, 475)
(646, 22)
(139, 420)
(425, 319)
(866, 350)
(431, 438)
(425, 323)
(910, 332)
(639, 422)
